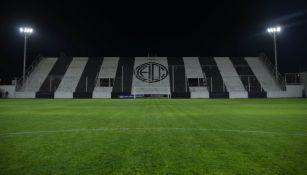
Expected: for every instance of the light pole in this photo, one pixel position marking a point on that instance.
(27, 31)
(274, 31)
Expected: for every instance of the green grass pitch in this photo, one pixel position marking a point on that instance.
(153, 136)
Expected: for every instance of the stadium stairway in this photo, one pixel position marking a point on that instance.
(177, 78)
(196, 80)
(54, 78)
(106, 76)
(87, 81)
(36, 78)
(71, 78)
(231, 78)
(123, 80)
(215, 82)
(154, 71)
(248, 78)
(263, 74)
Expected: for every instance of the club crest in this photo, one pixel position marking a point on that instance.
(151, 72)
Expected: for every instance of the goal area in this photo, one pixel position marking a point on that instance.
(151, 92)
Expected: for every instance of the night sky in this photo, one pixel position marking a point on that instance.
(230, 28)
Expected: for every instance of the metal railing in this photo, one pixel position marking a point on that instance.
(279, 79)
(293, 79)
(29, 70)
(96, 80)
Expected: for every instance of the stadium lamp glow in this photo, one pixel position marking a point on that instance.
(274, 30)
(26, 30)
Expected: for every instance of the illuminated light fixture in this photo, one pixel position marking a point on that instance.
(26, 31)
(274, 31)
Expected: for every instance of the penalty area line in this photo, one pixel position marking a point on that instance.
(154, 129)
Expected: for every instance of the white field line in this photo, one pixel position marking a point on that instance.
(155, 129)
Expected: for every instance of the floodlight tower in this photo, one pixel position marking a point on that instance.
(26, 31)
(274, 31)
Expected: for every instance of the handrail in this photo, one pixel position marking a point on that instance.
(205, 79)
(29, 70)
(280, 80)
(96, 80)
(297, 80)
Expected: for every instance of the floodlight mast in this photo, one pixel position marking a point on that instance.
(27, 31)
(274, 31)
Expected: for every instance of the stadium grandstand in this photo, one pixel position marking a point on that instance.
(156, 77)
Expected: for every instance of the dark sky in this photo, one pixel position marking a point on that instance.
(230, 28)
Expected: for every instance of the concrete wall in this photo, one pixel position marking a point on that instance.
(10, 89)
(102, 92)
(63, 95)
(199, 92)
(25, 94)
(293, 91)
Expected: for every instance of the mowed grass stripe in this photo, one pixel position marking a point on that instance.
(154, 130)
(154, 136)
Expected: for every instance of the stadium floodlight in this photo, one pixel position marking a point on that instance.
(27, 31)
(274, 31)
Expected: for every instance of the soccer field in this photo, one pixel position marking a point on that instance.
(153, 136)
